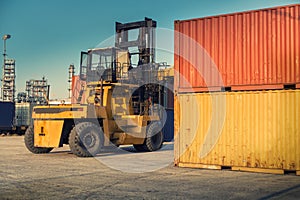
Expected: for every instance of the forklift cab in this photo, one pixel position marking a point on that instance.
(104, 64)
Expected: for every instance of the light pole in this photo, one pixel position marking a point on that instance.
(4, 38)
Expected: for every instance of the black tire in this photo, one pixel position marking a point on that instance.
(29, 142)
(139, 147)
(86, 139)
(154, 138)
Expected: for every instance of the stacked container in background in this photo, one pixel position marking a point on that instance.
(77, 90)
(23, 113)
(251, 60)
(7, 115)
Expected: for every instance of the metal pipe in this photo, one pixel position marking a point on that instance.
(48, 93)
(101, 93)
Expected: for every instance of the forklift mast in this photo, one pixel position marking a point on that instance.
(145, 41)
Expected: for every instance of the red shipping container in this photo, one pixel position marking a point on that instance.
(251, 50)
(77, 86)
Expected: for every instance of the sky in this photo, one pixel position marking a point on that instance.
(48, 35)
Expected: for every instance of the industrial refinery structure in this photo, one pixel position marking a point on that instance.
(37, 91)
(8, 80)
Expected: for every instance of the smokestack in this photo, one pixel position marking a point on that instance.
(71, 74)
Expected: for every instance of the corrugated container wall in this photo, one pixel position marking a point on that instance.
(257, 49)
(251, 131)
(23, 114)
(77, 86)
(7, 115)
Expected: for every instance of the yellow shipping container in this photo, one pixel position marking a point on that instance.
(248, 131)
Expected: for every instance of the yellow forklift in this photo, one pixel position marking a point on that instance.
(123, 103)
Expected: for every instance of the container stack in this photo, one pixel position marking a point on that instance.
(251, 62)
(7, 115)
(78, 86)
(23, 113)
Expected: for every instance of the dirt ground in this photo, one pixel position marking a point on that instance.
(61, 175)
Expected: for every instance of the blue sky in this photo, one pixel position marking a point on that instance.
(47, 36)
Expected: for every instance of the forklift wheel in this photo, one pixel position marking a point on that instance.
(86, 139)
(154, 139)
(139, 147)
(29, 142)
